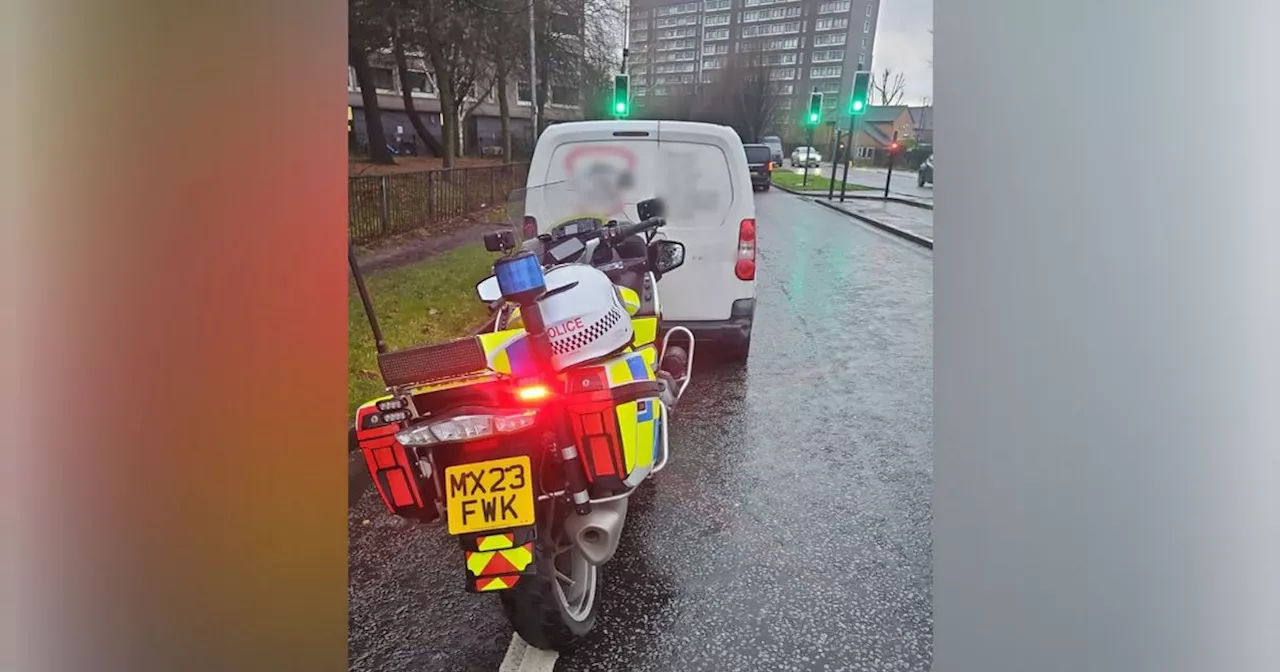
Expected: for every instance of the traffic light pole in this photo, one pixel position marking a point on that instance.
(835, 153)
(853, 145)
(809, 146)
(893, 153)
(857, 106)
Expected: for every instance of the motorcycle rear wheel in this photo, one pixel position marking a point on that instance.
(555, 608)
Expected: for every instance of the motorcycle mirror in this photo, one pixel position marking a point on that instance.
(650, 208)
(668, 255)
(489, 290)
(500, 241)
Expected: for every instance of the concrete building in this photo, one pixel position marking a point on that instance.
(677, 45)
(481, 129)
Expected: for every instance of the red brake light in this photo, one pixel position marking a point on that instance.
(536, 392)
(530, 227)
(745, 268)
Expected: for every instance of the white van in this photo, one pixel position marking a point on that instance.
(700, 172)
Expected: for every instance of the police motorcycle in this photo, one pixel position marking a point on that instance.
(527, 439)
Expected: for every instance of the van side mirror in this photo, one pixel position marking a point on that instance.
(668, 255)
(489, 290)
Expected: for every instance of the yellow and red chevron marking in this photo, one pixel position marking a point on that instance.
(496, 583)
(505, 561)
(494, 542)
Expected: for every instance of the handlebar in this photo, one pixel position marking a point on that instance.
(624, 232)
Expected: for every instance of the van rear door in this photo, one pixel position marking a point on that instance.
(605, 168)
(707, 188)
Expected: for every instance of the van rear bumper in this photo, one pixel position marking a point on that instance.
(733, 333)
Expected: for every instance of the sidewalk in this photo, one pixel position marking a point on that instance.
(898, 215)
(865, 195)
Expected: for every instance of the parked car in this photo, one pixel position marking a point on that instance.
(774, 143)
(801, 156)
(714, 293)
(925, 174)
(760, 163)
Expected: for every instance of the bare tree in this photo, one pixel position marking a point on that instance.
(889, 93)
(480, 92)
(743, 97)
(578, 48)
(366, 33)
(505, 39)
(398, 34)
(450, 36)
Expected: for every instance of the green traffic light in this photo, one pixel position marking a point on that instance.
(620, 107)
(857, 104)
(813, 118)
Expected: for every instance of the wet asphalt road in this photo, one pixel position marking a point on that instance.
(791, 530)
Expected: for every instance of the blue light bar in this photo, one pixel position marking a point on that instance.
(520, 276)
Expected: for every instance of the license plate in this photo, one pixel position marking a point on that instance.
(490, 495)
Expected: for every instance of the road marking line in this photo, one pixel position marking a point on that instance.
(524, 658)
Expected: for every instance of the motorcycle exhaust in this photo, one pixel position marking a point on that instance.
(597, 533)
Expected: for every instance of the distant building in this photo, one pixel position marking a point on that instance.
(481, 130)
(877, 127)
(677, 46)
(922, 124)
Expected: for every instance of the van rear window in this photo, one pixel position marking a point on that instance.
(759, 154)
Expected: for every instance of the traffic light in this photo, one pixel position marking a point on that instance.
(815, 108)
(893, 147)
(621, 99)
(861, 87)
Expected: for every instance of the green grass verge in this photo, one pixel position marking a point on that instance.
(816, 182)
(428, 302)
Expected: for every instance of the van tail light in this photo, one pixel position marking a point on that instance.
(769, 167)
(745, 268)
(530, 227)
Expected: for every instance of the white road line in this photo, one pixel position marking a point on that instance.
(524, 658)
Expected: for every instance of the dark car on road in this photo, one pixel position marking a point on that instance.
(774, 143)
(760, 162)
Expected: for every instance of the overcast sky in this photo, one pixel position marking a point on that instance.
(904, 44)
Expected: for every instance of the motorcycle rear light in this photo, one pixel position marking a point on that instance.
(530, 227)
(466, 428)
(533, 392)
(745, 268)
